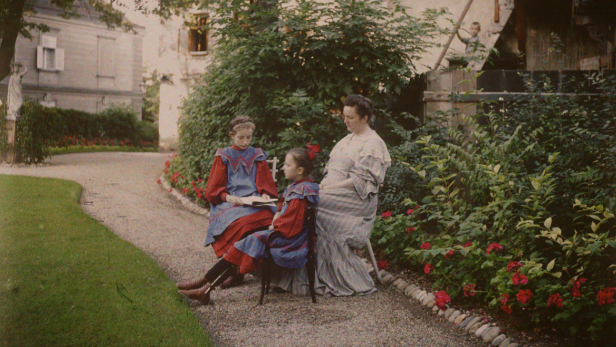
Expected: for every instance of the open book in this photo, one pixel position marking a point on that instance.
(259, 201)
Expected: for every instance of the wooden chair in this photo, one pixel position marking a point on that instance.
(268, 263)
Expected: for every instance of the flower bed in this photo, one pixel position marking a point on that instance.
(193, 187)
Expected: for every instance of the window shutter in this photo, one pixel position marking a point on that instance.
(59, 59)
(191, 40)
(39, 57)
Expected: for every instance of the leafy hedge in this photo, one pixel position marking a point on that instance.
(288, 65)
(41, 128)
(518, 212)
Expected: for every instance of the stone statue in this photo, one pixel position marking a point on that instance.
(15, 96)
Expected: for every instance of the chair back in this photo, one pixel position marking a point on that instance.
(310, 225)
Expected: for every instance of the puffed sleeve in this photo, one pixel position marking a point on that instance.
(264, 180)
(216, 188)
(368, 171)
(292, 221)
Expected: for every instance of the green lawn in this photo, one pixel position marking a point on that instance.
(66, 280)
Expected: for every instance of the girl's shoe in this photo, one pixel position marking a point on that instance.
(232, 281)
(192, 284)
(202, 294)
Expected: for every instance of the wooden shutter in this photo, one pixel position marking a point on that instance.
(39, 57)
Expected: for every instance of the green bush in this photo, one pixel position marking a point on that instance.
(519, 210)
(288, 68)
(41, 128)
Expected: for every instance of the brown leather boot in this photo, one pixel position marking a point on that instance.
(232, 281)
(192, 284)
(202, 294)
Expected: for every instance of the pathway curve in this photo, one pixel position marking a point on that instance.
(120, 191)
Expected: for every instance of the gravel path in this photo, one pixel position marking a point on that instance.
(120, 191)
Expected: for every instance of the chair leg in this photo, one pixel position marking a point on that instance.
(264, 272)
(376, 268)
(311, 279)
(270, 268)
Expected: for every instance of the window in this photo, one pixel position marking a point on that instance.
(197, 34)
(48, 56)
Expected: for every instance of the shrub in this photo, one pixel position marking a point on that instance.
(288, 65)
(520, 209)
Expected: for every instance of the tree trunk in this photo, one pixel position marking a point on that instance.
(11, 31)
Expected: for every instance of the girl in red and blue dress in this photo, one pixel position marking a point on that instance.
(289, 251)
(238, 171)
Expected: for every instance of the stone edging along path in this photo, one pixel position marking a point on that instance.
(472, 324)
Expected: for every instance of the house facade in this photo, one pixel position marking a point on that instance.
(80, 63)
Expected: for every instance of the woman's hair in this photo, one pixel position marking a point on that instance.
(363, 105)
(302, 159)
(239, 123)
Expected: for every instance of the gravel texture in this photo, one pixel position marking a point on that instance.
(120, 191)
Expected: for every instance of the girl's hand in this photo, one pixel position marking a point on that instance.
(265, 196)
(234, 200)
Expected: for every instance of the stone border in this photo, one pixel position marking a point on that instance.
(477, 325)
(472, 325)
(191, 206)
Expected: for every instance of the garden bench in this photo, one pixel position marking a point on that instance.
(274, 168)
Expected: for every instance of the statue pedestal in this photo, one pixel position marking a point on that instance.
(10, 140)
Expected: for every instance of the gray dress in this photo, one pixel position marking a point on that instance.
(344, 219)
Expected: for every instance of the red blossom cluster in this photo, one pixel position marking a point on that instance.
(409, 211)
(386, 214)
(555, 300)
(442, 299)
(167, 165)
(468, 244)
(80, 141)
(575, 287)
(175, 176)
(506, 308)
(425, 245)
(449, 254)
(428, 268)
(469, 290)
(524, 296)
(513, 266)
(519, 279)
(494, 247)
(410, 229)
(382, 264)
(606, 296)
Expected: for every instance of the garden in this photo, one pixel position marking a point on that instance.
(513, 210)
(45, 131)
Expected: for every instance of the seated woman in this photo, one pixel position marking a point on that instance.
(238, 171)
(290, 250)
(347, 208)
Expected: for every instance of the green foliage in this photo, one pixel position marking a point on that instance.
(41, 128)
(288, 65)
(537, 181)
(151, 99)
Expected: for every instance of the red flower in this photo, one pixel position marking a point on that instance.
(506, 309)
(425, 245)
(524, 296)
(170, 190)
(158, 181)
(469, 290)
(556, 300)
(494, 247)
(382, 264)
(519, 279)
(442, 299)
(513, 266)
(386, 214)
(505, 298)
(200, 180)
(410, 229)
(449, 254)
(468, 244)
(409, 211)
(428, 268)
(185, 190)
(605, 296)
(575, 287)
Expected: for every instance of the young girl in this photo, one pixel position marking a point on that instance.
(238, 171)
(288, 251)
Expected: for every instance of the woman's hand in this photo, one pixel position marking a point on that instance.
(234, 200)
(322, 186)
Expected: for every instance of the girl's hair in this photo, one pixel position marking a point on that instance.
(302, 159)
(239, 123)
(363, 105)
